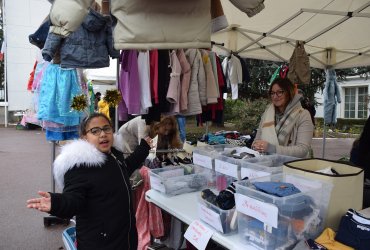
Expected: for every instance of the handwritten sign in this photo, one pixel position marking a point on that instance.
(157, 184)
(202, 160)
(262, 211)
(198, 234)
(226, 168)
(252, 173)
(210, 217)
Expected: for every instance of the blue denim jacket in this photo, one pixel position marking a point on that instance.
(88, 47)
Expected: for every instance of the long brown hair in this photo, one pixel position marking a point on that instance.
(286, 85)
(172, 140)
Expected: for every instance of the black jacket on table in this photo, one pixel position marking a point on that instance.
(96, 189)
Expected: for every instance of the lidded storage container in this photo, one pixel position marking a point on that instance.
(276, 211)
(175, 180)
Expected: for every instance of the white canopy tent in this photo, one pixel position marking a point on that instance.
(103, 78)
(107, 75)
(335, 32)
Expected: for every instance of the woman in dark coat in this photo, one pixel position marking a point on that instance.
(96, 188)
(360, 153)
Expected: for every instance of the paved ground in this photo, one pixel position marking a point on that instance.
(25, 160)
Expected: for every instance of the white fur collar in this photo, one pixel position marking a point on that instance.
(75, 154)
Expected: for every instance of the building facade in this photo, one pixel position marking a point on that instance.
(354, 92)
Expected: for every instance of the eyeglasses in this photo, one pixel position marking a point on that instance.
(97, 131)
(277, 93)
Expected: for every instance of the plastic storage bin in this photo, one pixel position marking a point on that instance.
(177, 180)
(205, 155)
(227, 171)
(264, 165)
(270, 222)
(224, 221)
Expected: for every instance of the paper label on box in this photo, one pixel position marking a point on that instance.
(252, 173)
(198, 234)
(172, 173)
(211, 217)
(302, 184)
(267, 228)
(157, 184)
(264, 212)
(226, 168)
(202, 160)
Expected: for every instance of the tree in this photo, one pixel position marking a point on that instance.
(261, 71)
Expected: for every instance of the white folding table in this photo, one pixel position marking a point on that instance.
(185, 208)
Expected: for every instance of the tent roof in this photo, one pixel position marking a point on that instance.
(335, 32)
(105, 75)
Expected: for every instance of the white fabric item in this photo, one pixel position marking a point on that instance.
(75, 154)
(144, 78)
(232, 68)
(268, 132)
(130, 134)
(165, 24)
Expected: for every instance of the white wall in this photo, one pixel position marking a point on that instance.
(21, 18)
(355, 82)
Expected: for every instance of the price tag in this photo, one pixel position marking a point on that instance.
(202, 160)
(211, 217)
(157, 184)
(252, 173)
(262, 211)
(226, 168)
(198, 234)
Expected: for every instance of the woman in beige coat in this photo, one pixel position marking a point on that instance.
(285, 128)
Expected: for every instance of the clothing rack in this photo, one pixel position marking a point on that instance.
(219, 44)
(171, 150)
(50, 219)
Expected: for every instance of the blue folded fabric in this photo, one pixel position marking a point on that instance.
(280, 189)
(61, 136)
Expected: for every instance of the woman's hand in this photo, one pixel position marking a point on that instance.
(260, 146)
(42, 204)
(149, 141)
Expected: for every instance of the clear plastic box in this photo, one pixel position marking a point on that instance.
(205, 155)
(227, 171)
(224, 221)
(264, 165)
(270, 222)
(175, 180)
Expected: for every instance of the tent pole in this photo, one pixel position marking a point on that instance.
(323, 142)
(52, 161)
(116, 109)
